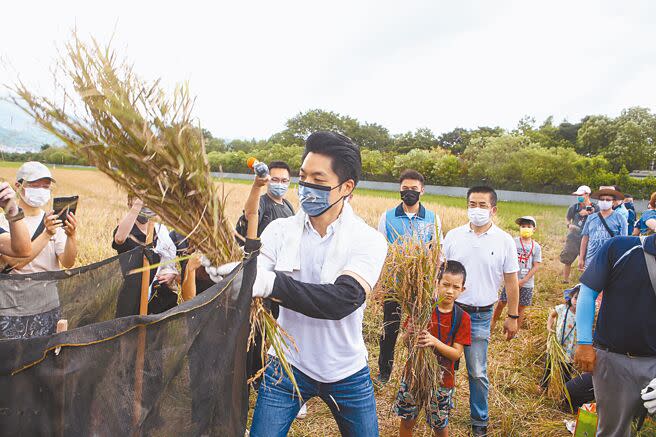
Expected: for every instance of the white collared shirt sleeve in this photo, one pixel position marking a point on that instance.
(446, 246)
(270, 239)
(438, 229)
(510, 263)
(367, 257)
(382, 224)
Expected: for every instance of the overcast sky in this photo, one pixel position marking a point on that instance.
(402, 64)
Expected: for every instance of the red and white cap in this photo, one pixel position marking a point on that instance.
(583, 189)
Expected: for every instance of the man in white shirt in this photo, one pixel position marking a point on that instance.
(319, 265)
(490, 258)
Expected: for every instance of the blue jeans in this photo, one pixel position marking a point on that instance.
(476, 358)
(351, 401)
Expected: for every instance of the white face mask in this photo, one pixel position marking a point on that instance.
(605, 205)
(36, 197)
(478, 216)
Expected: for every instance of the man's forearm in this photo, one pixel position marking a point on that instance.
(320, 301)
(585, 313)
(512, 292)
(584, 247)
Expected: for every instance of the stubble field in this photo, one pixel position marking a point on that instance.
(517, 407)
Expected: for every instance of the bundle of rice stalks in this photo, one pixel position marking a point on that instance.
(558, 363)
(409, 278)
(147, 143)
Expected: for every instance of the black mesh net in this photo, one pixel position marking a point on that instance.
(181, 372)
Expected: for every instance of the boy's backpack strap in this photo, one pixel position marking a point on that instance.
(457, 314)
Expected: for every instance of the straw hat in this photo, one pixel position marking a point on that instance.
(607, 191)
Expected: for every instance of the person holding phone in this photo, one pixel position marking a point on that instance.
(131, 233)
(54, 242)
(577, 214)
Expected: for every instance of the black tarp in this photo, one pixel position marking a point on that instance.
(181, 372)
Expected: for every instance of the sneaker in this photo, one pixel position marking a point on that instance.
(302, 413)
(381, 380)
(479, 431)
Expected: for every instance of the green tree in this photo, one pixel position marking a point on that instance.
(595, 135)
(633, 145)
(422, 138)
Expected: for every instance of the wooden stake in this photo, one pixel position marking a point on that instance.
(62, 325)
(141, 339)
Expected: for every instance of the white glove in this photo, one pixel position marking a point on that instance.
(216, 273)
(650, 398)
(262, 287)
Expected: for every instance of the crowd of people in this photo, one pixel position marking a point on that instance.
(317, 266)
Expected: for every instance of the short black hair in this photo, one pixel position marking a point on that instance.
(280, 164)
(525, 222)
(412, 175)
(345, 154)
(454, 268)
(484, 189)
(628, 196)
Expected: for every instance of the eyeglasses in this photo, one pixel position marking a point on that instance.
(279, 180)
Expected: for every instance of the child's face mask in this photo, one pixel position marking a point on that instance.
(526, 232)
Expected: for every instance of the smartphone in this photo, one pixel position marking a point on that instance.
(63, 205)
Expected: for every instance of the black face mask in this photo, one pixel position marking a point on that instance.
(410, 197)
(142, 219)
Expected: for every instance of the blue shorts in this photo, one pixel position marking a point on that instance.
(437, 415)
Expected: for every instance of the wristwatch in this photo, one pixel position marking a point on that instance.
(513, 317)
(18, 216)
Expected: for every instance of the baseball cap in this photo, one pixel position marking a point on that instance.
(33, 171)
(527, 218)
(583, 189)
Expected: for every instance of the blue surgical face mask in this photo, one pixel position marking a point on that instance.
(581, 199)
(314, 198)
(278, 189)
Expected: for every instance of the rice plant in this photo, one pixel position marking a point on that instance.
(145, 141)
(409, 278)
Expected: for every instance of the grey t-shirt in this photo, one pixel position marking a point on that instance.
(527, 254)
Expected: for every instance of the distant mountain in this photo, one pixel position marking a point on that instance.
(18, 133)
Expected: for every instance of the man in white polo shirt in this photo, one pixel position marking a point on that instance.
(490, 258)
(318, 266)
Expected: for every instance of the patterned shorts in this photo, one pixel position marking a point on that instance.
(525, 296)
(37, 325)
(437, 415)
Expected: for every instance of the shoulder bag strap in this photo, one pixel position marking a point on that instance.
(603, 222)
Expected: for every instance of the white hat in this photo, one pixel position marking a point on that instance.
(33, 171)
(583, 189)
(527, 218)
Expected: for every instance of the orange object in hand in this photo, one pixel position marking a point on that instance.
(260, 168)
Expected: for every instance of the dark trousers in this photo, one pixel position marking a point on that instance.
(580, 388)
(391, 324)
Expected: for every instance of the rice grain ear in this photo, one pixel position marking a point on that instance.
(409, 277)
(146, 142)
